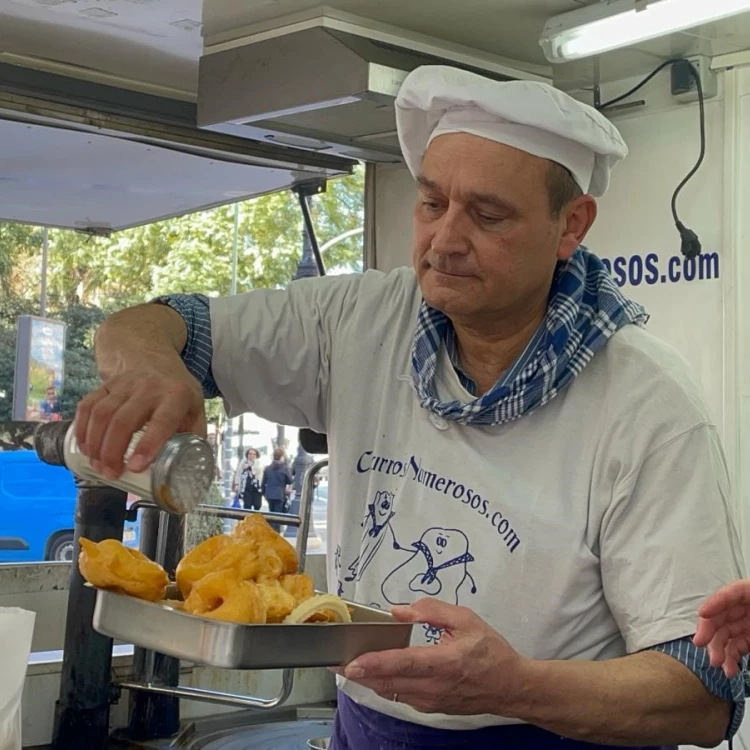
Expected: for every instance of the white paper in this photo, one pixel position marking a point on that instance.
(16, 631)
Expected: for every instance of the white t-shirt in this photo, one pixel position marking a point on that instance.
(592, 528)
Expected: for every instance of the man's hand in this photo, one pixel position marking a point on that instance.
(107, 418)
(724, 626)
(144, 383)
(473, 670)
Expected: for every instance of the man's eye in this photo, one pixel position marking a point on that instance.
(487, 219)
(431, 205)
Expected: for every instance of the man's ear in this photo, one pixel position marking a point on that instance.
(578, 217)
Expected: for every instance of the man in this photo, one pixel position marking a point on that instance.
(517, 467)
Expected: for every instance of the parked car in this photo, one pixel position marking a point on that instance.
(37, 509)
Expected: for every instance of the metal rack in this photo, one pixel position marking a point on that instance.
(302, 522)
(86, 687)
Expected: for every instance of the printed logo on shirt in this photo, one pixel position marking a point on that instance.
(412, 469)
(437, 565)
(432, 635)
(377, 527)
(337, 571)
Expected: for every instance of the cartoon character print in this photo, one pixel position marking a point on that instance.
(337, 570)
(438, 566)
(432, 634)
(377, 526)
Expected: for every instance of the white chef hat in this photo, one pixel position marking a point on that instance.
(528, 115)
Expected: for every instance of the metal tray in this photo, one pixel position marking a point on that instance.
(230, 646)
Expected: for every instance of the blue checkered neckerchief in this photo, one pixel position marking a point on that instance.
(585, 308)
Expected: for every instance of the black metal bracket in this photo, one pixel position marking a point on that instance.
(304, 191)
(309, 188)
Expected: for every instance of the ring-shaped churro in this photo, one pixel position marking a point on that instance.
(224, 596)
(256, 527)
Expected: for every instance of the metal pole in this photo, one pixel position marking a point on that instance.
(156, 716)
(228, 432)
(82, 711)
(43, 293)
(310, 227)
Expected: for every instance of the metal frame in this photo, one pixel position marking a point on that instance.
(71, 102)
(302, 522)
(304, 191)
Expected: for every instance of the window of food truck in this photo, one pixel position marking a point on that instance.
(77, 280)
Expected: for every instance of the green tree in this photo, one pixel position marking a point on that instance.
(18, 244)
(193, 253)
(11, 306)
(89, 277)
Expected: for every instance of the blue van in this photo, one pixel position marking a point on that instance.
(37, 510)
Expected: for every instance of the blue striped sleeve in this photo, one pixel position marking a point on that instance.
(198, 352)
(716, 682)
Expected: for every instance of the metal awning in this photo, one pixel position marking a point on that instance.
(95, 158)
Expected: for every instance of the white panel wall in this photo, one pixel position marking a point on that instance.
(395, 193)
(738, 231)
(636, 231)
(696, 307)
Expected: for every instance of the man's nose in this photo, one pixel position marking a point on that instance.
(451, 237)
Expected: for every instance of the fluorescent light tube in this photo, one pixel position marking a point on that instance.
(612, 24)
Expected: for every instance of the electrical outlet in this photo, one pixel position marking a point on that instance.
(684, 88)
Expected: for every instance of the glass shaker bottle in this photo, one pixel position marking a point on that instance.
(178, 479)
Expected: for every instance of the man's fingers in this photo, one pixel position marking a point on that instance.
(717, 647)
(725, 599)
(100, 416)
(198, 425)
(83, 413)
(704, 632)
(403, 687)
(437, 614)
(735, 650)
(733, 656)
(132, 415)
(408, 662)
(165, 422)
(720, 629)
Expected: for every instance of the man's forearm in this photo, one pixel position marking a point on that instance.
(144, 334)
(647, 698)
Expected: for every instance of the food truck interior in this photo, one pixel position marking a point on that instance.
(117, 114)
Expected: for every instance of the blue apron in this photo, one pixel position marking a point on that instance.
(360, 728)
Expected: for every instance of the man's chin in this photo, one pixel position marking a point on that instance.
(449, 294)
(448, 302)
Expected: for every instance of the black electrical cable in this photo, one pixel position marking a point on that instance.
(641, 84)
(691, 246)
